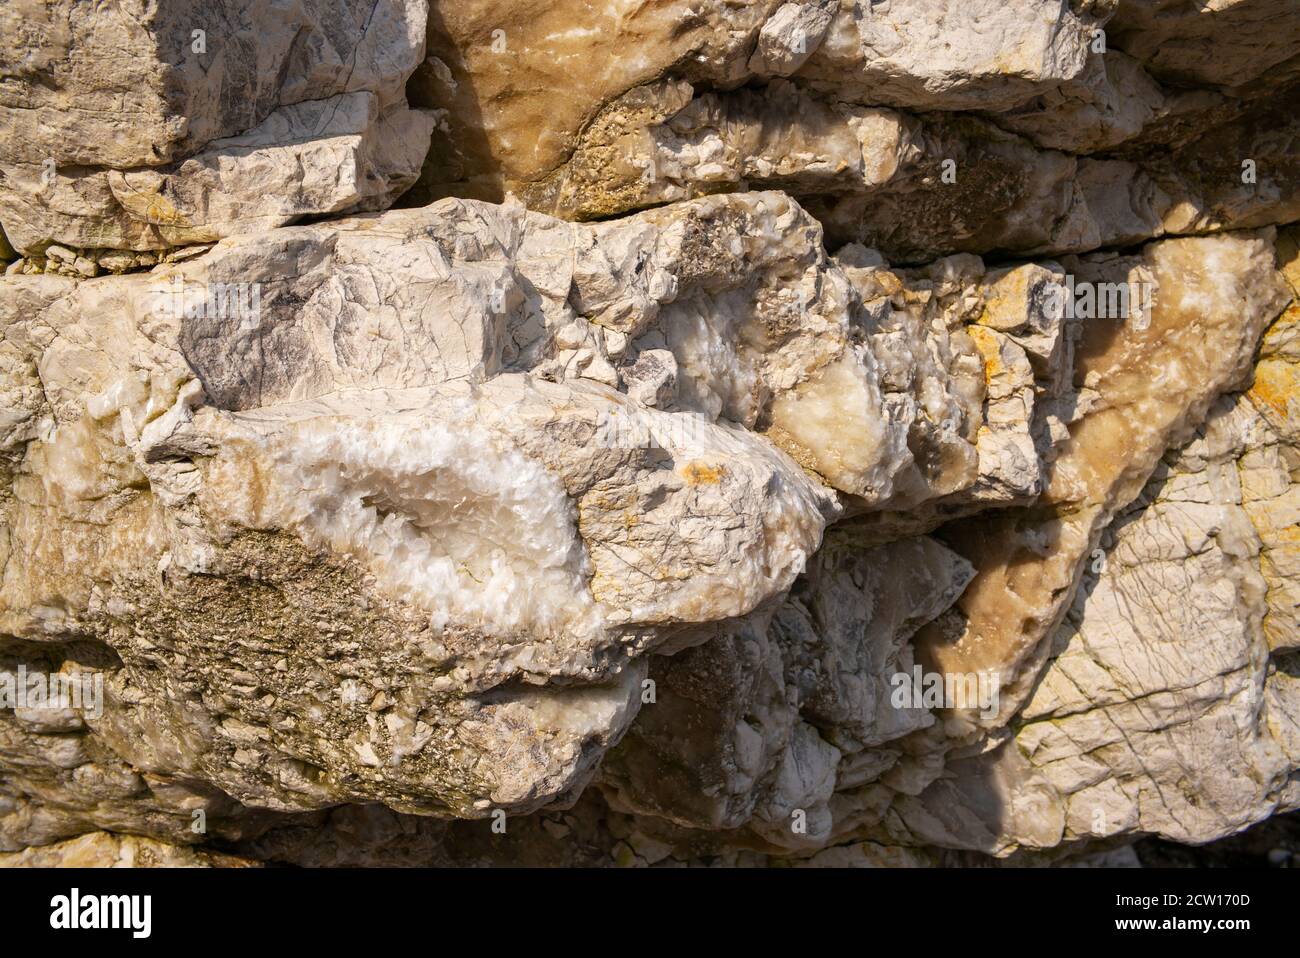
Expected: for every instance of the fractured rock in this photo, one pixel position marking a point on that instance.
(229, 117)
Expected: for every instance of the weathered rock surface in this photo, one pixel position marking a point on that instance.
(920, 187)
(106, 850)
(821, 432)
(227, 117)
(1224, 43)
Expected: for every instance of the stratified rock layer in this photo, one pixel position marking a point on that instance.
(141, 126)
(849, 433)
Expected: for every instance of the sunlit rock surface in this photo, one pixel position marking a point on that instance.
(106, 850)
(139, 126)
(825, 432)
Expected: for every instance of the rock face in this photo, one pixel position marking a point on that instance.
(229, 117)
(837, 432)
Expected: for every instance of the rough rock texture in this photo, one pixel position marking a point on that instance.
(830, 433)
(106, 850)
(140, 126)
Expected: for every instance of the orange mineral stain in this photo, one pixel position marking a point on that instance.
(702, 474)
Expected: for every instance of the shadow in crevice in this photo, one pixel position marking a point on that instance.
(460, 161)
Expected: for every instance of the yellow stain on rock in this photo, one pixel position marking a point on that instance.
(702, 474)
(1289, 534)
(148, 204)
(1277, 386)
(161, 212)
(1282, 332)
(987, 343)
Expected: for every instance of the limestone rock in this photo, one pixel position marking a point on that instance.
(1173, 622)
(161, 416)
(1225, 43)
(227, 117)
(105, 850)
(950, 55)
(516, 106)
(755, 727)
(1140, 391)
(515, 87)
(133, 85)
(806, 432)
(920, 187)
(319, 156)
